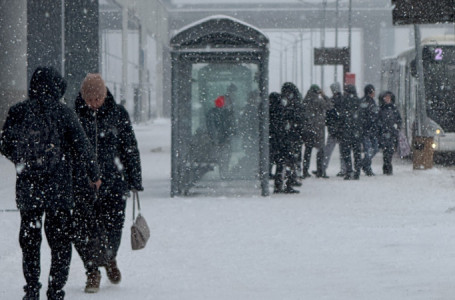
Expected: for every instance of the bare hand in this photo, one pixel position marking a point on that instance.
(96, 185)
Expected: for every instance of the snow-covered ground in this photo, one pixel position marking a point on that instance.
(382, 237)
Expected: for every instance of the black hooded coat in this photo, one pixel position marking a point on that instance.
(47, 190)
(389, 123)
(111, 134)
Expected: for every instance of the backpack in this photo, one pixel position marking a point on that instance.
(38, 148)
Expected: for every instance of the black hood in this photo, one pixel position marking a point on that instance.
(46, 85)
(383, 94)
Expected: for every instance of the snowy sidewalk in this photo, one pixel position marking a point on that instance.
(382, 237)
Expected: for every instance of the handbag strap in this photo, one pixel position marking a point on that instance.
(136, 199)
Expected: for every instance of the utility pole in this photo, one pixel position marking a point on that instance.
(301, 61)
(335, 75)
(421, 107)
(350, 25)
(324, 8)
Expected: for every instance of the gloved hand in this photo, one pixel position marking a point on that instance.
(136, 189)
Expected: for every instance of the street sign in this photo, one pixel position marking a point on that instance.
(408, 12)
(332, 56)
(349, 78)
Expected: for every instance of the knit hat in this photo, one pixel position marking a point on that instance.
(315, 88)
(93, 87)
(220, 101)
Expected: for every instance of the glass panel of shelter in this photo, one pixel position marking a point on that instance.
(225, 120)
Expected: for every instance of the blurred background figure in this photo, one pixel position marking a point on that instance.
(389, 124)
(351, 132)
(334, 129)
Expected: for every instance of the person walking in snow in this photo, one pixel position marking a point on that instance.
(389, 124)
(38, 137)
(101, 215)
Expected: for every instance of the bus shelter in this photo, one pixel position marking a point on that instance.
(219, 108)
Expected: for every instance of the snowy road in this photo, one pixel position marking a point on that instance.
(384, 237)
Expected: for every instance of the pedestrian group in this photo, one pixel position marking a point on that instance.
(76, 169)
(359, 126)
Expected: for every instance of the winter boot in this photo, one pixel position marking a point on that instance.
(349, 176)
(32, 293)
(55, 295)
(289, 189)
(293, 182)
(305, 174)
(387, 170)
(368, 172)
(93, 282)
(113, 272)
(356, 175)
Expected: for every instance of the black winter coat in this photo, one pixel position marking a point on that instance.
(389, 123)
(49, 191)
(333, 116)
(275, 126)
(351, 128)
(110, 132)
(220, 125)
(369, 116)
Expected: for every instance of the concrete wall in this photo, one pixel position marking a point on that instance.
(13, 47)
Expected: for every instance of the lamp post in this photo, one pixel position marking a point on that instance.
(335, 74)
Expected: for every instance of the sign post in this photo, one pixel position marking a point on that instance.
(333, 56)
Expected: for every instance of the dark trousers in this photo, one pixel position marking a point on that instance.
(57, 227)
(387, 154)
(98, 228)
(370, 148)
(346, 148)
(307, 159)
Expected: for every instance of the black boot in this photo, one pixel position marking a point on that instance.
(356, 175)
(290, 190)
(55, 295)
(292, 179)
(349, 176)
(32, 292)
(387, 170)
(305, 174)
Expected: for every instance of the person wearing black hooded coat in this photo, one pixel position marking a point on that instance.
(47, 190)
(110, 131)
(389, 124)
(281, 144)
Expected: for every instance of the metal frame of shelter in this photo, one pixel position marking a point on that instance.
(217, 39)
